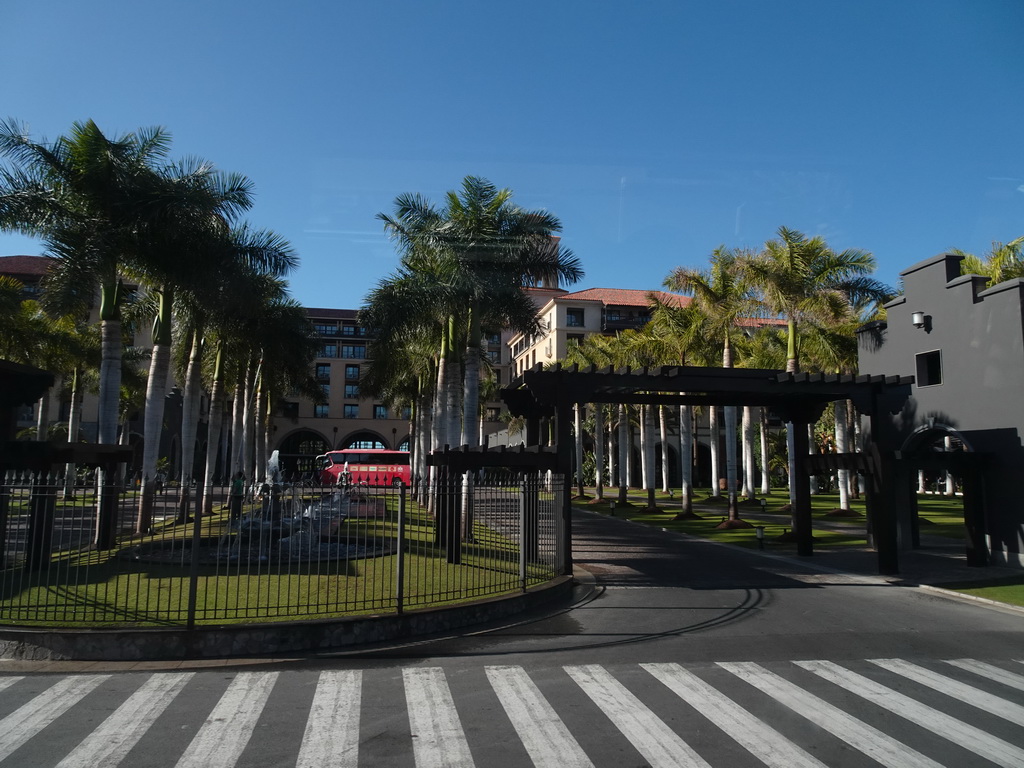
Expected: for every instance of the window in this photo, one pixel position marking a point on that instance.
(352, 373)
(574, 318)
(348, 330)
(325, 329)
(326, 389)
(492, 414)
(929, 368)
(494, 339)
(351, 391)
(357, 351)
(290, 410)
(351, 411)
(320, 411)
(494, 355)
(328, 350)
(323, 372)
(380, 411)
(407, 413)
(574, 338)
(613, 316)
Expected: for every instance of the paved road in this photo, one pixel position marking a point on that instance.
(684, 653)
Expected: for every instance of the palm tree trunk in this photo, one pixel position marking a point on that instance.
(190, 410)
(663, 426)
(715, 451)
(74, 424)
(731, 474)
(43, 417)
(237, 438)
(471, 383)
(213, 434)
(110, 381)
(156, 392)
(623, 452)
(842, 446)
(259, 428)
(613, 455)
(247, 458)
(686, 459)
(749, 468)
(578, 427)
(599, 450)
(439, 424)
(649, 453)
(811, 450)
(766, 486)
(453, 407)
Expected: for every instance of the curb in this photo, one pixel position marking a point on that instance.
(29, 644)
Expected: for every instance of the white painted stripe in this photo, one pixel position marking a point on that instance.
(939, 723)
(438, 739)
(223, 736)
(114, 738)
(990, 671)
(7, 682)
(545, 736)
(968, 694)
(872, 742)
(765, 743)
(332, 730)
(659, 744)
(26, 721)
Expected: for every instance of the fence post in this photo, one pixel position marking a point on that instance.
(42, 506)
(193, 571)
(522, 533)
(400, 560)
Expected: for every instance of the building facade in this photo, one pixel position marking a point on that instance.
(963, 340)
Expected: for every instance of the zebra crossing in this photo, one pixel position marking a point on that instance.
(799, 714)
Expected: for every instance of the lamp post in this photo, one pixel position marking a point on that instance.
(759, 533)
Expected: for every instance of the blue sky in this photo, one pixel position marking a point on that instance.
(656, 131)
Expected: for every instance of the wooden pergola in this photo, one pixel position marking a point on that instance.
(543, 394)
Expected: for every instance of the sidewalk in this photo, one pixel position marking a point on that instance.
(940, 559)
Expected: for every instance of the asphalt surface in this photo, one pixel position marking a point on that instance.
(676, 652)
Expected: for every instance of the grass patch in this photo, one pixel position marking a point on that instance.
(94, 589)
(1009, 590)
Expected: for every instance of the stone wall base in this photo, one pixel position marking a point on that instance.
(34, 644)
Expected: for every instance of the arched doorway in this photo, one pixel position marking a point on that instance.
(297, 451)
(946, 493)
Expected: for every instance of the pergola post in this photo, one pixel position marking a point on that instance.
(563, 440)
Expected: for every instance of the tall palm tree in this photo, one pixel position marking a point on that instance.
(801, 279)
(493, 249)
(722, 296)
(89, 196)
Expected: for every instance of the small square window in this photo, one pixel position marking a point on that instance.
(380, 411)
(929, 368)
(574, 318)
(351, 411)
(352, 372)
(320, 411)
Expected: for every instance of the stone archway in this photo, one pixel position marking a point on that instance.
(297, 451)
(938, 450)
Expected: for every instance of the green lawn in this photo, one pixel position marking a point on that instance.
(104, 589)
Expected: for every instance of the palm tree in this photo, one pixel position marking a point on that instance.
(722, 297)
(491, 249)
(1004, 261)
(89, 196)
(801, 279)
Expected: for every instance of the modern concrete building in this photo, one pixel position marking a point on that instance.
(963, 340)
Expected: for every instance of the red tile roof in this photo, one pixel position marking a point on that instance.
(36, 266)
(627, 297)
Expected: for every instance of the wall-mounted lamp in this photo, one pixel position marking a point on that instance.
(917, 318)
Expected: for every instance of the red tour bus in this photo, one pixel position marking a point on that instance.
(373, 466)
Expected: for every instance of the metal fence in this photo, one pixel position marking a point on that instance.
(291, 552)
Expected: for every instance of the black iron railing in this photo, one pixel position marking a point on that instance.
(289, 551)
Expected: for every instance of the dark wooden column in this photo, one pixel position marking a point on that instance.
(974, 515)
(797, 418)
(563, 446)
